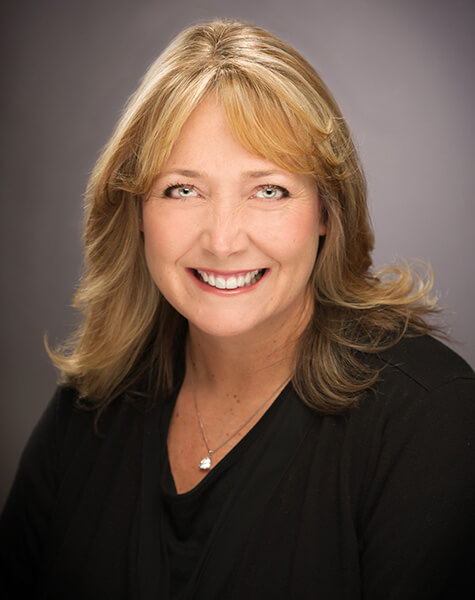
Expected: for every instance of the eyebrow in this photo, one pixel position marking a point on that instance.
(199, 174)
(184, 172)
(263, 173)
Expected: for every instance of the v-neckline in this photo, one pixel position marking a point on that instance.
(240, 509)
(168, 484)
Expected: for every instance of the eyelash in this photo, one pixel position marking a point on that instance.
(285, 193)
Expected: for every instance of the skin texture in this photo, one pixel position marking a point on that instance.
(228, 218)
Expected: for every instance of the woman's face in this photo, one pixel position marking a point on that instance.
(230, 238)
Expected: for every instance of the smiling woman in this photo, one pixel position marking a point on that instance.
(247, 409)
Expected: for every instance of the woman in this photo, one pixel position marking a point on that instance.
(246, 411)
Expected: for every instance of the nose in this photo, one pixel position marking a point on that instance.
(224, 232)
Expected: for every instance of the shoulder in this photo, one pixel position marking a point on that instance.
(423, 389)
(68, 407)
(413, 432)
(425, 361)
(67, 425)
(67, 435)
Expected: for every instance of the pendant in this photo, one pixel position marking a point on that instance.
(205, 464)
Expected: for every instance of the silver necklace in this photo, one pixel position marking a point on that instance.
(205, 463)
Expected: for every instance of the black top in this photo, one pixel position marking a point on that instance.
(189, 518)
(377, 503)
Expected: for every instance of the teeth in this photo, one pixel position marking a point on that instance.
(232, 282)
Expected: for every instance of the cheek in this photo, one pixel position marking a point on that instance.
(165, 231)
(164, 242)
(295, 238)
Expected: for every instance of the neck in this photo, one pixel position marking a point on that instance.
(219, 360)
(241, 366)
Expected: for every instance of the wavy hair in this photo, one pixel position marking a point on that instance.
(278, 108)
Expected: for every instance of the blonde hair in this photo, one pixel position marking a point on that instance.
(278, 108)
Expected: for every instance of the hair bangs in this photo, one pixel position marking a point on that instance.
(175, 102)
(268, 122)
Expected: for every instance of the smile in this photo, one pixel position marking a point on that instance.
(229, 282)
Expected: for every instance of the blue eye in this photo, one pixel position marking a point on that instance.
(180, 190)
(272, 192)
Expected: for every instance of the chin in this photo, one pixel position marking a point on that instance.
(222, 332)
(220, 328)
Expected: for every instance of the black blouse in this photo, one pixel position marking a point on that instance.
(377, 503)
(190, 518)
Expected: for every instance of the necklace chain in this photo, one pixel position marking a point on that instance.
(205, 463)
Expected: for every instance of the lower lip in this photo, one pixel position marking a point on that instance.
(214, 290)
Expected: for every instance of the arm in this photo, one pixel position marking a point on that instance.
(26, 516)
(417, 532)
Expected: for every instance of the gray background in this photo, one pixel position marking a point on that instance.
(401, 71)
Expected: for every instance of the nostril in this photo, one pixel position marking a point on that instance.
(224, 236)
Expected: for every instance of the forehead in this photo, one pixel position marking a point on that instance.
(207, 143)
